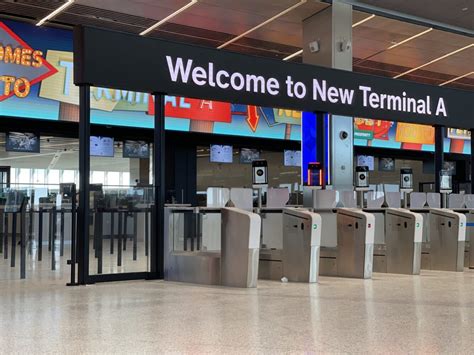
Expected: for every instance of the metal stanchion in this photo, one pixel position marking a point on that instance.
(73, 259)
(135, 234)
(147, 231)
(125, 233)
(119, 238)
(53, 238)
(112, 231)
(61, 248)
(50, 229)
(40, 234)
(23, 240)
(99, 220)
(13, 251)
(5, 241)
(2, 222)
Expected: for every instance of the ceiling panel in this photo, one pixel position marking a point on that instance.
(458, 13)
(213, 22)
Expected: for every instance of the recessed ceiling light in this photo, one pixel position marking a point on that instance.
(464, 9)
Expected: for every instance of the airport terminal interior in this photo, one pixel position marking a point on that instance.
(255, 176)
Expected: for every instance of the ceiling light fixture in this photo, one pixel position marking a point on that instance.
(55, 12)
(362, 21)
(167, 18)
(293, 55)
(410, 38)
(457, 78)
(284, 12)
(434, 60)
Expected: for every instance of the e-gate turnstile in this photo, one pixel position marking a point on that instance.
(301, 245)
(355, 243)
(447, 240)
(236, 264)
(403, 239)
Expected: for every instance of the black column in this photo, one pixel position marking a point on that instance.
(157, 246)
(321, 143)
(471, 178)
(439, 154)
(84, 173)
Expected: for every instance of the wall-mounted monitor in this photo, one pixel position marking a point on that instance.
(102, 146)
(136, 149)
(22, 142)
(292, 158)
(221, 153)
(366, 160)
(247, 155)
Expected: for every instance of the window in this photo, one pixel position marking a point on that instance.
(113, 178)
(53, 177)
(68, 176)
(98, 177)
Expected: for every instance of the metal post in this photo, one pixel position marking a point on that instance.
(5, 241)
(84, 172)
(135, 234)
(61, 248)
(112, 231)
(439, 154)
(73, 259)
(23, 240)
(53, 238)
(157, 240)
(40, 234)
(13, 251)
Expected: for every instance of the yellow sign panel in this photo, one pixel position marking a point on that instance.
(287, 116)
(414, 133)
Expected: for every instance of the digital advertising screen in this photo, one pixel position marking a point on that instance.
(292, 158)
(102, 146)
(46, 91)
(221, 153)
(400, 135)
(136, 149)
(247, 155)
(22, 142)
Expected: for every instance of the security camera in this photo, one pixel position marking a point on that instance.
(343, 135)
(314, 46)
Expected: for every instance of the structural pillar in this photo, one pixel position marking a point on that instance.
(439, 154)
(139, 171)
(332, 30)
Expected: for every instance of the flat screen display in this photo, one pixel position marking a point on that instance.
(22, 142)
(102, 146)
(247, 155)
(136, 149)
(292, 158)
(221, 153)
(366, 160)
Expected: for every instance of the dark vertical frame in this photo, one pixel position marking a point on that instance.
(159, 159)
(321, 144)
(83, 210)
(439, 154)
(471, 168)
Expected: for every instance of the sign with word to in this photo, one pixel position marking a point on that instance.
(21, 66)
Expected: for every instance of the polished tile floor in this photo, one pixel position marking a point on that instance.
(430, 313)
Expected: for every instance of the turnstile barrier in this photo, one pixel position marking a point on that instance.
(236, 264)
(447, 240)
(301, 245)
(403, 240)
(355, 243)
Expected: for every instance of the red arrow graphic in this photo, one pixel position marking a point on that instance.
(252, 117)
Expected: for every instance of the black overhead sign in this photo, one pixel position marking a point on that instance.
(130, 62)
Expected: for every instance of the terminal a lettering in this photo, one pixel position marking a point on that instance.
(401, 103)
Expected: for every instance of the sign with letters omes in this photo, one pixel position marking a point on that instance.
(126, 61)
